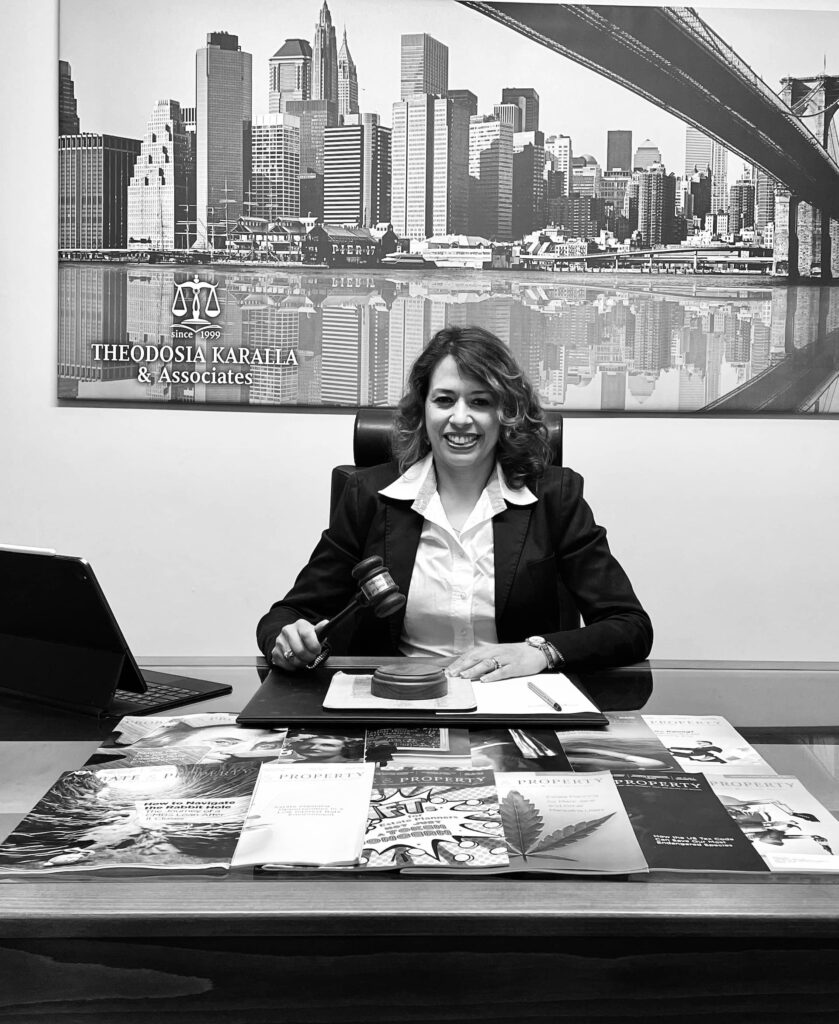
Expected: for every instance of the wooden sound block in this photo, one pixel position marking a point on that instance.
(409, 682)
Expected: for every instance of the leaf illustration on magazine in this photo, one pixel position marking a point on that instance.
(523, 827)
(569, 834)
(522, 822)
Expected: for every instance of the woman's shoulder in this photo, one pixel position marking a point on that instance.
(559, 480)
(374, 478)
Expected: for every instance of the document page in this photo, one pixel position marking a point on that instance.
(516, 696)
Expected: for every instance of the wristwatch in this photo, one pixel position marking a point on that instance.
(553, 658)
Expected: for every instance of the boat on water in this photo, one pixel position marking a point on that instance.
(470, 251)
(407, 260)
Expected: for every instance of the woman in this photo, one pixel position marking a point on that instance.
(495, 549)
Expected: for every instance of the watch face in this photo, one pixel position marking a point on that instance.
(537, 640)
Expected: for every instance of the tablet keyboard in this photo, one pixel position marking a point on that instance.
(157, 697)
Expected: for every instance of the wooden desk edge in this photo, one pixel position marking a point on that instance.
(465, 907)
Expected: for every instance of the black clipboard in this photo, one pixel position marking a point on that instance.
(297, 699)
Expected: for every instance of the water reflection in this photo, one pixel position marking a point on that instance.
(329, 338)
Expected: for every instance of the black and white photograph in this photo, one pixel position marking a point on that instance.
(280, 211)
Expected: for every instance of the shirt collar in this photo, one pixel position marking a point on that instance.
(419, 482)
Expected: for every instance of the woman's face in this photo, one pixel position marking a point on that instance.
(461, 419)
(320, 747)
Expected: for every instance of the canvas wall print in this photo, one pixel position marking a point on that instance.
(277, 205)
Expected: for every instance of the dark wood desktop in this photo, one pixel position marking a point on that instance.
(554, 944)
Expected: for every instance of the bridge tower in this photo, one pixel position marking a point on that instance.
(804, 238)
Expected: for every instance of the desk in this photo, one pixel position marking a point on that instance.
(494, 946)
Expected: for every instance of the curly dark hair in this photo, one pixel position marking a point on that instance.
(524, 450)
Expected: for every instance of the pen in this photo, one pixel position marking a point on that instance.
(544, 696)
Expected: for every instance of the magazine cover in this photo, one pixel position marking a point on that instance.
(626, 744)
(532, 750)
(707, 744)
(787, 826)
(323, 746)
(306, 815)
(681, 825)
(211, 737)
(434, 819)
(418, 747)
(574, 824)
(135, 820)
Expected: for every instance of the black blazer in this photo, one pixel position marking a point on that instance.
(552, 564)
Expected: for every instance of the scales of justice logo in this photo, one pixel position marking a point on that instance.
(197, 290)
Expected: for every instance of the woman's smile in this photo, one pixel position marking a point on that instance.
(461, 419)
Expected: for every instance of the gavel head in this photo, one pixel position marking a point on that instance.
(377, 587)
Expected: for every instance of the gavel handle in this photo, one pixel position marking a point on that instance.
(327, 627)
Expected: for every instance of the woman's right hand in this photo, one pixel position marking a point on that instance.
(296, 646)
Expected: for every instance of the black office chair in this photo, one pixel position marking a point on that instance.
(371, 446)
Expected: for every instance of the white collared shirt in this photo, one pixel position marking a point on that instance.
(451, 599)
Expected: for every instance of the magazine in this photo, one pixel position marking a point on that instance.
(133, 820)
(626, 744)
(568, 823)
(681, 825)
(419, 746)
(434, 819)
(707, 744)
(207, 738)
(497, 750)
(306, 814)
(787, 826)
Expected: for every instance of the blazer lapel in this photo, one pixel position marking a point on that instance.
(509, 529)
(403, 528)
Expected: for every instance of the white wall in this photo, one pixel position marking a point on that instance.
(196, 519)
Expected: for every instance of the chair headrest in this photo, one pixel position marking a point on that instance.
(371, 436)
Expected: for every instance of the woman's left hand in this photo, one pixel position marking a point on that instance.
(500, 661)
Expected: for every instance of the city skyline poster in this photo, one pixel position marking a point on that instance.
(279, 209)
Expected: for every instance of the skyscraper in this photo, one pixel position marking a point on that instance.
(429, 144)
(424, 66)
(697, 151)
(325, 59)
(656, 205)
(93, 176)
(559, 151)
(347, 80)
(157, 192)
(223, 135)
(464, 107)
(68, 117)
(528, 182)
(343, 174)
(646, 155)
(412, 185)
(356, 180)
(719, 178)
(509, 113)
(528, 102)
(764, 200)
(618, 151)
(741, 205)
(315, 117)
(289, 75)
(275, 172)
(490, 178)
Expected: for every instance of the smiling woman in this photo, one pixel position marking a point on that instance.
(477, 528)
